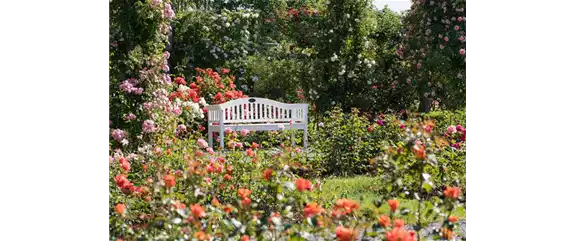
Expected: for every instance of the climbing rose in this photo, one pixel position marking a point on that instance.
(399, 223)
(459, 19)
(462, 51)
(243, 193)
(244, 238)
(453, 219)
(244, 132)
(118, 135)
(197, 211)
(267, 174)
(399, 234)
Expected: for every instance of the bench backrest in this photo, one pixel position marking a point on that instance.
(252, 110)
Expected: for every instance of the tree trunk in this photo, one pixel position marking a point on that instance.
(425, 104)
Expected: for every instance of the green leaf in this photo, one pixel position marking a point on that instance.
(296, 238)
(371, 234)
(427, 187)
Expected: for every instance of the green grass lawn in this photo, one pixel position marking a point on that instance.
(364, 189)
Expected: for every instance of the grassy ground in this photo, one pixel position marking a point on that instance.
(364, 189)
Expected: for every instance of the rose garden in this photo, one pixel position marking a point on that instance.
(386, 93)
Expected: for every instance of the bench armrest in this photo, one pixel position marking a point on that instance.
(214, 107)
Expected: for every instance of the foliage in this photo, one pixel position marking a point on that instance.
(444, 119)
(274, 78)
(344, 143)
(336, 70)
(167, 184)
(352, 143)
(387, 90)
(368, 191)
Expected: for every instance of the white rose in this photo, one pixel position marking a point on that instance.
(202, 101)
(290, 186)
(183, 88)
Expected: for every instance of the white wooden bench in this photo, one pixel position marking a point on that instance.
(256, 114)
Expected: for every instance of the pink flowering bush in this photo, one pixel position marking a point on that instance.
(138, 68)
(434, 46)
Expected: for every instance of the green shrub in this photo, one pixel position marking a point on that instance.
(342, 143)
(276, 79)
(208, 39)
(443, 119)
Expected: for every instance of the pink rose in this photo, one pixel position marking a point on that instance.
(462, 51)
(244, 132)
(451, 130)
(202, 143)
(228, 130)
(459, 19)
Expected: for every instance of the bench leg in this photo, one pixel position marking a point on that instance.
(305, 138)
(221, 136)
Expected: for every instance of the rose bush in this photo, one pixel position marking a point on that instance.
(183, 189)
(191, 99)
(348, 144)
